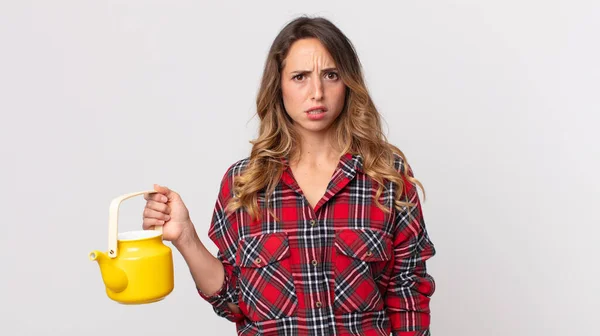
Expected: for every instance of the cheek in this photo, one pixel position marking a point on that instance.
(291, 96)
(338, 93)
(288, 99)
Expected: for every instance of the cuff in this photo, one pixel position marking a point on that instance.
(220, 299)
(218, 294)
(424, 332)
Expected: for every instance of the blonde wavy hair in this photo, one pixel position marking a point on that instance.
(357, 130)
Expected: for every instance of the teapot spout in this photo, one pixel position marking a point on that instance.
(114, 278)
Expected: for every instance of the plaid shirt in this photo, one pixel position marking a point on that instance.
(343, 268)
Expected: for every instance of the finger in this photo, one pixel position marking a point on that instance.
(152, 196)
(159, 206)
(153, 214)
(155, 197)
(165, 191)
(148, 223)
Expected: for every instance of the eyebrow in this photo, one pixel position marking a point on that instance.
(308, 71)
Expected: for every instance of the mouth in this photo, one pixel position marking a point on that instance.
(317, 110)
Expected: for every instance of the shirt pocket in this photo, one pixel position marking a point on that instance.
(361, 256)
(267, 289)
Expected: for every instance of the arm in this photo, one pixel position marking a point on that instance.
(213, 277)
(410, 287)
(216, 278)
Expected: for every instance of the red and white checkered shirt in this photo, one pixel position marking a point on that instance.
(343, 268)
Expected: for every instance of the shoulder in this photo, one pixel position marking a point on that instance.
(236, 168)
(400, 164)
(233, 169)
(409, 182)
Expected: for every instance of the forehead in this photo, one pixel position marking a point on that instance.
(308, 52)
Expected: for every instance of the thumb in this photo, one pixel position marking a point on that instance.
(171, 195)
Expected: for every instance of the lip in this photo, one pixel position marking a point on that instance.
(317, 108)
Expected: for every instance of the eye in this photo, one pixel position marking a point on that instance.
(332, 75)
(298, 77)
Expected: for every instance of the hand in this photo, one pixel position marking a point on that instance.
(166, 208)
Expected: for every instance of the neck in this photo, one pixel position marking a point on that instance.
(316, 148)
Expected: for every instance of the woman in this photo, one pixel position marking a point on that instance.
(319, 231)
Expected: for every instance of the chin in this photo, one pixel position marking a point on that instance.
(316, 128)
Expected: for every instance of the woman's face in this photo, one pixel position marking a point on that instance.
(310, 80)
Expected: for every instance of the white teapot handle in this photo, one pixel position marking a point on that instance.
(113, 221)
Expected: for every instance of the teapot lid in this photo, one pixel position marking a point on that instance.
(137, 235)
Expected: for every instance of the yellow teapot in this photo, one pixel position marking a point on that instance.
(138, 267)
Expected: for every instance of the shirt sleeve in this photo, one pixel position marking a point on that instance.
(228, 293)
(223, 232)
(410, 287)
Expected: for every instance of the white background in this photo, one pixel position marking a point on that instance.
(495, 103)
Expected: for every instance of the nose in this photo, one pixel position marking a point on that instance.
(317, 88)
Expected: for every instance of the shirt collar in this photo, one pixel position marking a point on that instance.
(349, 163)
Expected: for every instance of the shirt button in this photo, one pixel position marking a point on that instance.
(313, 222)
(369, 253)
(318, 304)
(258, 261)
(314, 262)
